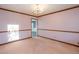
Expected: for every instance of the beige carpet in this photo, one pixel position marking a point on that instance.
(38, 46)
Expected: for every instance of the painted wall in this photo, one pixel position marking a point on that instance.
(66, 20)
(9, 18)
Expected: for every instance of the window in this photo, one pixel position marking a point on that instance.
(13, 32)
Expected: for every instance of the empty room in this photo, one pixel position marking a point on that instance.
(39, 28)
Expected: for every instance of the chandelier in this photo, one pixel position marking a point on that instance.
(37, 9)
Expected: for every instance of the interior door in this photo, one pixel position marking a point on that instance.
(34, 28)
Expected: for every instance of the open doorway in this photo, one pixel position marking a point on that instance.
(34, 28)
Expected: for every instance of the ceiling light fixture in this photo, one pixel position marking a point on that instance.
(38, 9)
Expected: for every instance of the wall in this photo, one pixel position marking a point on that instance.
(10, 18)
(66, 20)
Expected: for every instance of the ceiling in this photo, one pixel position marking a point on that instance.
(29, 8)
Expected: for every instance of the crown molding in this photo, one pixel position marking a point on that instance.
(41, 15)
(60, 11)
(17, 12)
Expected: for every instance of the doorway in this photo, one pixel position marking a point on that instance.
(34, 28)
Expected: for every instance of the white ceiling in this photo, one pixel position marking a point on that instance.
(28, 8)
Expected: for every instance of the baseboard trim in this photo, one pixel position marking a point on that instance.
(15, 41)
(58, 41)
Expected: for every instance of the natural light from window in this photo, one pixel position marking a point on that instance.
(13, 32)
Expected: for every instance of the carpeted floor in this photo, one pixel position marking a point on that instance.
(38, 45)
